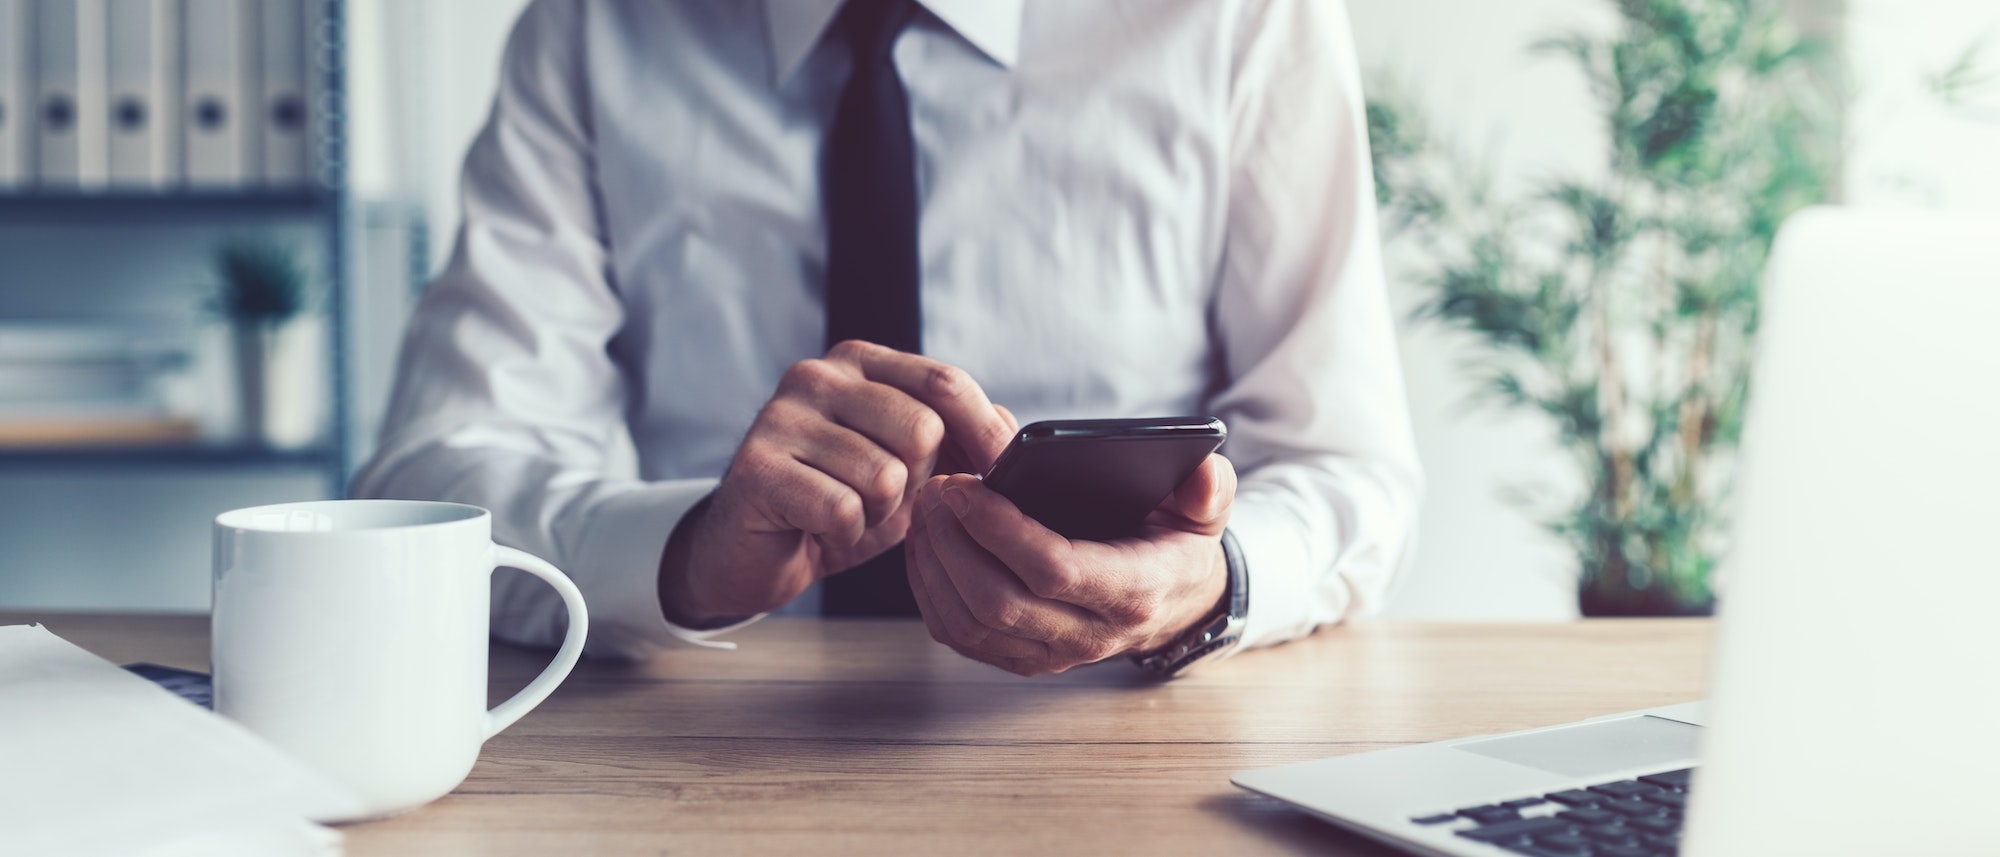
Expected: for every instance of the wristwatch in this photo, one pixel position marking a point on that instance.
(1217, 634)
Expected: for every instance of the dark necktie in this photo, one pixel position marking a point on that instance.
(868, 181)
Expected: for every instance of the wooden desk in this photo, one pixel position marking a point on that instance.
(864, 737)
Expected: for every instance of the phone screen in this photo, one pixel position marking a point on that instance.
(1099, 479)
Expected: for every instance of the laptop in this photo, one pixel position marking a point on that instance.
(1854, 698)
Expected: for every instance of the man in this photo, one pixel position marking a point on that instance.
(1074, 209)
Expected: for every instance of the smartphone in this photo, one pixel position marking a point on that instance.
(1098, 479)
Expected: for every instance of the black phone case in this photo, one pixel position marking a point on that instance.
(1098, 479)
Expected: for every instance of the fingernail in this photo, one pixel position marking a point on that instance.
(954, 497)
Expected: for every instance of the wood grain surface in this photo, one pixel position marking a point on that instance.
(865, 737)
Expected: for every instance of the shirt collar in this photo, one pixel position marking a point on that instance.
(992, 26)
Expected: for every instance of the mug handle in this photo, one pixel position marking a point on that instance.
(504, 714)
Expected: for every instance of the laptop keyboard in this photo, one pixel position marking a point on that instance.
(1627, 818)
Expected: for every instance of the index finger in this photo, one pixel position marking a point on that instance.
(970, 419)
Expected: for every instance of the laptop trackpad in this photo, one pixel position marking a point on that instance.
(1593, 749)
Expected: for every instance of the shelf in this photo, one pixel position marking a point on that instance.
(48, 208)
(205, 456)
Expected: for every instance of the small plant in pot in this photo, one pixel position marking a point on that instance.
(262, 289)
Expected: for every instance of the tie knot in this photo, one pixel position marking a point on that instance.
(871, 26)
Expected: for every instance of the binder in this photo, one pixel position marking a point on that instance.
(69, 94)
(16, 149)
(217, 64)
(283, 122)
(141, 66)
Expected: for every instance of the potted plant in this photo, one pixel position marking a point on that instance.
(263, 288)
(1621, 303)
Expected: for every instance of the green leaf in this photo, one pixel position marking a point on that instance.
(263, 282)
(1676, 124)
(1965, 77)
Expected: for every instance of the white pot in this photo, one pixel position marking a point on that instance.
(279, 401)
(253, 349)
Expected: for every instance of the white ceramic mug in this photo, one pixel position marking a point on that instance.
(352, 633)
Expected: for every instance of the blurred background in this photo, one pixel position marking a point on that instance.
(181, 335)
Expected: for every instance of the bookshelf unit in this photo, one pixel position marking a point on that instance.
(318, 212)
(119, 527)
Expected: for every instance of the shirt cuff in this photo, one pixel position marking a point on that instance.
(626, 536)
(1272, 540)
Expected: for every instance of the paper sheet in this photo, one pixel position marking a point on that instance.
(97, 761)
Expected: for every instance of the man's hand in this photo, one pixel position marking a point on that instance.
(999, 587)
(824, 479)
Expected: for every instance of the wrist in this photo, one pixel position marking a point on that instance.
(680, 600)
(1217, 634)
(1201, 603)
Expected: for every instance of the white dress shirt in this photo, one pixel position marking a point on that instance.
(1128, 208)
